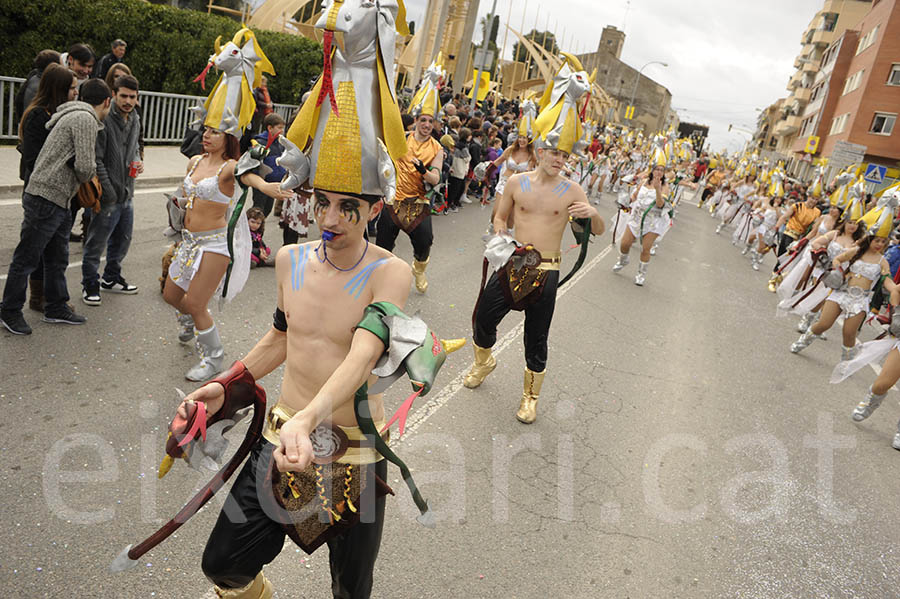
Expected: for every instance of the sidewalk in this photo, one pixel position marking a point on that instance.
(163, 165)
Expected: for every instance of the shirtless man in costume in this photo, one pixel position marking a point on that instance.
(323, 331)
(543, 202)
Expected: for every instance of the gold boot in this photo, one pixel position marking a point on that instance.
(418, 269)
(532, 389)
(774, 282)
(485, 362)
(259, 588)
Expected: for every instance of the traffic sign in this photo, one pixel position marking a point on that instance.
(812, 144)
(875, 173)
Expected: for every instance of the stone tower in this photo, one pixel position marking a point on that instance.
(612, 41)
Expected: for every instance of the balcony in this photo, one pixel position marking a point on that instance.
(810, 67)
(801, 95)
(823, 38)
(831, 6)
(795, 80)
(788, 126)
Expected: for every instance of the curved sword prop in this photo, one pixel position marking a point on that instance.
(129, 556)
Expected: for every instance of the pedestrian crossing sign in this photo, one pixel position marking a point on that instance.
(875, 173)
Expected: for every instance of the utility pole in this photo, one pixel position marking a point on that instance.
(486, 39)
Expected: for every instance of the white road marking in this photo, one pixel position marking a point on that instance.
(447, 391)
(74, 264)
(71, 265)
(137, 192)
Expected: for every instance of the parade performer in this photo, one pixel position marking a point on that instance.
(213, 257)
(855, 275)
(519, 157)
(806, 302)
(316, 470)
(526, 269)
(739, 204)
(649, 219)
(763, 236)
(417, 169)
(799, 218)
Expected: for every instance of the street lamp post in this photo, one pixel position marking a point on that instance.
(638, 79)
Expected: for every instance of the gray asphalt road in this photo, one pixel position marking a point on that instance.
(680, 449)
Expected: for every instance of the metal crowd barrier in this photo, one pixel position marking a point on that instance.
(165, 116)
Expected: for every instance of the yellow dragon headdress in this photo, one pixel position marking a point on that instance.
(230, 105)
(427, 99)
(558, 126)
(351, 124)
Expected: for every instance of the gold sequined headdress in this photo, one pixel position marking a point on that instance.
(351, 124)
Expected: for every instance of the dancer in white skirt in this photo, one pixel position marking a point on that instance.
(807, 299)
(649, 219)
(762, 238)
(740, 207)
(885, 350)
(853, 278)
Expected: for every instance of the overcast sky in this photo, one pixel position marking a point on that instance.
(726, 57)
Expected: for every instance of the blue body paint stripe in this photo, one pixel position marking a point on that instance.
(361, 279)
(298, 266)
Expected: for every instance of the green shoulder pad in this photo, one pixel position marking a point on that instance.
(372, 320)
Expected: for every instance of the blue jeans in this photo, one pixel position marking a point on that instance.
(110, 229)
(45, 232)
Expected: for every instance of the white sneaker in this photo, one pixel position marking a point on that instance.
(466, 200)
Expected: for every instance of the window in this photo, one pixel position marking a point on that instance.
(894, 77)
(867, 40)
(883, 123)
(838, 124)
(816, 92)
(829, 21)
(853, 81)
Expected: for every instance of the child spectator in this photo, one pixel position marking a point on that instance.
(261, 253)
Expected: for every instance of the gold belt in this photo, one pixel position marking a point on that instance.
(550, 261)
(359, 450)
(792, 234)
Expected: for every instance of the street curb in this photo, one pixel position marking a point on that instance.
(16, 190)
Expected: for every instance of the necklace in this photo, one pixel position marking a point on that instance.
(335, 266)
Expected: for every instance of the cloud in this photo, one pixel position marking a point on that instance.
(725, 59)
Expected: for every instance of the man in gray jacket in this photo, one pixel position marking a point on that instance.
(118, 163)
(66, 161)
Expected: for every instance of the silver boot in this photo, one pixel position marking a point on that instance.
(867, 406)
(805, 322)
(755, 259)
(212, 354)
(621, 263)
(186, 323)
(719, 228)
(641, 274)
(896, 443)
(746, 249)
(803, 342)
(848, 353)
(653, 248)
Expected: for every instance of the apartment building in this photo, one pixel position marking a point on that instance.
(868, 97)
(827, 25)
